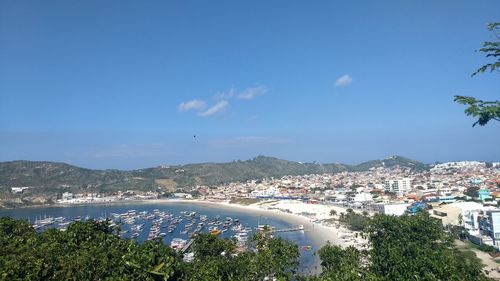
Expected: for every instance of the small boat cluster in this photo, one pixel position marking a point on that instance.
(60, 223)
(185, 225)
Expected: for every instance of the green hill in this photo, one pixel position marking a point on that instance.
(52, 178)
(391, 162)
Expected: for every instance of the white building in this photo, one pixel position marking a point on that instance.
(393, 209)
(363, 197)
(67, 196)
(464, 214)
(400, 186)
(18, 189)
(269, 192)
(491, 226)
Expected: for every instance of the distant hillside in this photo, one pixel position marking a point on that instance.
(51, 178)
(391, 162)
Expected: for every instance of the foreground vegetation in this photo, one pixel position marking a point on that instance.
(402, 248)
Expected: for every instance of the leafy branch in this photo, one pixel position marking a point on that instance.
(483, 110)
(492, 50)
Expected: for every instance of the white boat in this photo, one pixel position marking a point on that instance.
(178, 243)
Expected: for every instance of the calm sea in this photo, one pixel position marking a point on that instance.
(308, 261)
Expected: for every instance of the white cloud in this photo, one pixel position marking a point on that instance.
(251, 93)
(222, 99)
(218, 107)
(344, 80)
(193, 104)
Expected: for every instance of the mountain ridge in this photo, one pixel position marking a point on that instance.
(53, 178)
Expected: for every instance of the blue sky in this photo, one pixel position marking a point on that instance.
(127, 84)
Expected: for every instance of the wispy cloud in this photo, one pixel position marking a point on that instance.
(222, 99)
(251, 93)
(225, 95)
(193, 104)
(344, 80)
(246, 94)
(250, 140)
(217, 108)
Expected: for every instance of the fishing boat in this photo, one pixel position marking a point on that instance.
(215, 232)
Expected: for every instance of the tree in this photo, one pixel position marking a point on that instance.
(333, 213)
(276, 257)
(354, 221)
(485, 111)
(415, 247)
(472, 191)
(208, 246)
(341, 264)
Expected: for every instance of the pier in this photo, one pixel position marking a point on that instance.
(295, 228)
(186, 247)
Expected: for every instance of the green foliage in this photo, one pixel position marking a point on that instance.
(86, 251)
(472, 191)
(354, 221)
(209, 246)
(92, 251)
(334, 258)
(275, 257)
(333, 212)
(492, 50)
(393, 161)
(416, 248)
(485, 111)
